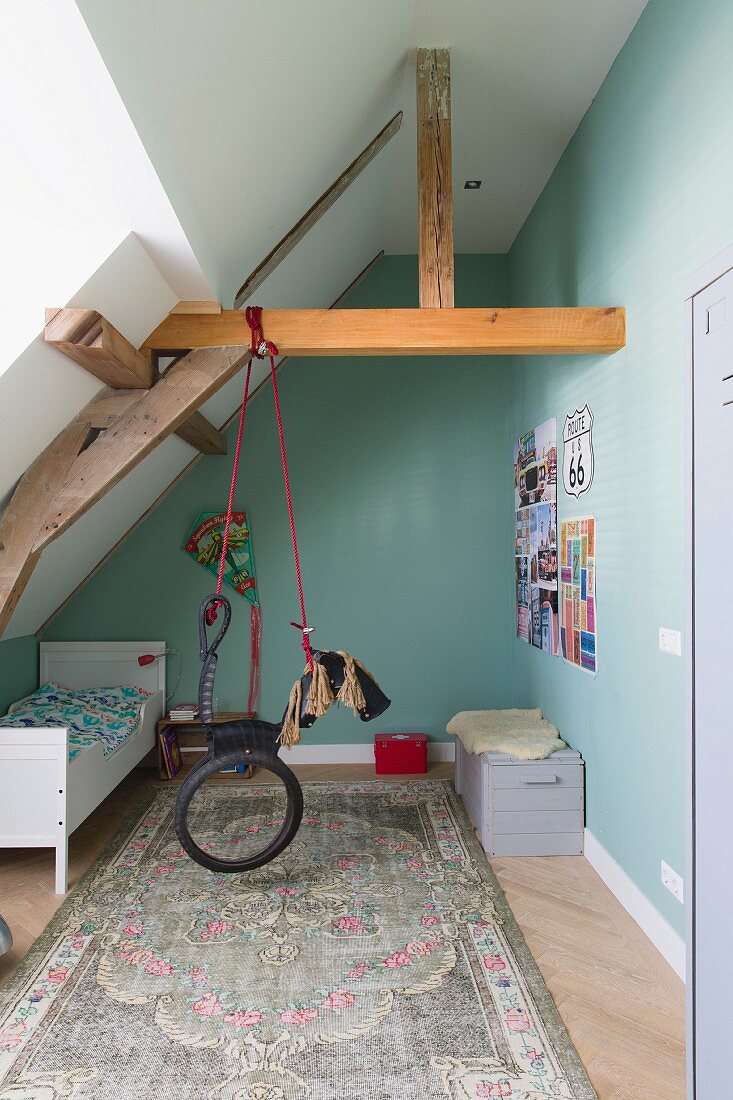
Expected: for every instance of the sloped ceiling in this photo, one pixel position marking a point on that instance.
(250, 109)
(243, 113)
(75, 177)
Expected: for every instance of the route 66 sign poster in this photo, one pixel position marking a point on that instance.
(577, 462)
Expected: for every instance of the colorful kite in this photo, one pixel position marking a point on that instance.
(206, 540)
(205, 543)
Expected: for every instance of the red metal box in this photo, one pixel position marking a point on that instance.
(401, 753)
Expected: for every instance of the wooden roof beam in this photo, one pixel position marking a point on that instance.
(108, 406)
(320, 332)
(158, 413)
(316, 212)
(96, 345)
(91, 341)
(24, 516)
(177, 479)
(136, 422)
(201, 434)
(434, 179)
(68, 477)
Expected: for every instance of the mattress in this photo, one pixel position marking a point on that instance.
(109, 716)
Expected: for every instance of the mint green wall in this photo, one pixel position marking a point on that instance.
(18, 669)
(398, 469)
(640, 199)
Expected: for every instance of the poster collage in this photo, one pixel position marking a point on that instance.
(545, 595)
(535, 549)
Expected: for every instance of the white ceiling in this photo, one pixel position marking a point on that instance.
(523, 74)
(249, 110)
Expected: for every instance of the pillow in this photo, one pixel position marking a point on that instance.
(106, 698)
(50, 692)
(114, 696)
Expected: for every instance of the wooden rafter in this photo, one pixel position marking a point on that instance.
(96, 345)
(434, 178)
(25, 514)
(158, 412)
(201, 434)
(318, 332)
(316, 211)
(186, 469)
(91, 341)
(197, 307)
(81, 464)
(107, 406)
(156, 415)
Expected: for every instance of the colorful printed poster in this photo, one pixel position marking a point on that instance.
(578, 633)
(205, 543)
(535, 465)
(535, 536)
(523, 597)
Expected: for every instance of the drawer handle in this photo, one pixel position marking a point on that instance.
(538, 779)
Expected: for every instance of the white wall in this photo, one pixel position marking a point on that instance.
(75, 176)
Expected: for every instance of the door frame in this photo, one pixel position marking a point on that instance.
(699, 280)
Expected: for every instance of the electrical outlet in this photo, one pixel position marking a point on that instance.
(672, 881)
(670, 641)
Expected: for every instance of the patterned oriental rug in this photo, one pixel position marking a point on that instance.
(376, 958)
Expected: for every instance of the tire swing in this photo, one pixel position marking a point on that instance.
(329, 677)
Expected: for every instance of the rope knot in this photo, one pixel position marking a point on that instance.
(212, 612)
(258, 345)
(306, 643)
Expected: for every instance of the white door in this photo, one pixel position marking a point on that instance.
(712, 994)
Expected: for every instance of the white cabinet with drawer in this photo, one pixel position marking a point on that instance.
(523, 807)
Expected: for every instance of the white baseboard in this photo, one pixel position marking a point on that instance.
(348, 753)
(668, 943)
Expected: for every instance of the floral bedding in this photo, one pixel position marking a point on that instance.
(107, 714)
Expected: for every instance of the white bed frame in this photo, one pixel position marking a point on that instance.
(43, 796)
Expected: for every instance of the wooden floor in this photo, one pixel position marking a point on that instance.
(621, 1003)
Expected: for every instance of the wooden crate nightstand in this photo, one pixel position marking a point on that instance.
(523, 807)
(192, 737)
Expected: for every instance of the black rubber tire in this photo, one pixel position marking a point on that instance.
(209, 766)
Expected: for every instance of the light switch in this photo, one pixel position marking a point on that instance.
(670, 641)
(673, 881)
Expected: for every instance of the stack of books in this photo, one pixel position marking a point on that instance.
(170, 752)
(184, 712)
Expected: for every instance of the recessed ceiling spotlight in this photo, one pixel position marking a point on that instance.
(472, 185)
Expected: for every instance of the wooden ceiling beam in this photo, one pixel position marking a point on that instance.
(136, 422)
(316, 211)
(200, 433)
(187, 468)
(434, 179)
(91, 341)
(158, 413)
(320, 332)
(25, 514)
(96, 345)
(197, 307)
(108, 406)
